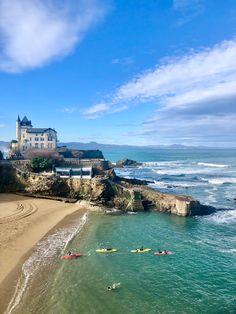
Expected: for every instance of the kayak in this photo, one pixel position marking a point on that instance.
(71, 256)
(106, 250)
(140, 251)
(161, 254)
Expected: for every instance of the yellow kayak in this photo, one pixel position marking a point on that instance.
(140, 250)
(106, 250)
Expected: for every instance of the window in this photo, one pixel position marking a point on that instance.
(30, 138)
(42, 139)
(42, 134)
(36, 139)
(36, 134)
(42, 145)
(36, 145)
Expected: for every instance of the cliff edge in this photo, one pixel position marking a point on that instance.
(105, 189)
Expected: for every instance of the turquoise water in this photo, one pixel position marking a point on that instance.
(200, 277)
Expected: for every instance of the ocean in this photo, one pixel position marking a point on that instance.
(200, 277)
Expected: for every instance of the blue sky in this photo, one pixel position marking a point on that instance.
(124, 71)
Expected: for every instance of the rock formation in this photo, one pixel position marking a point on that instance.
(127, 163)
(104, 189)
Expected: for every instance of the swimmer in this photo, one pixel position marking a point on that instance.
(114, 286)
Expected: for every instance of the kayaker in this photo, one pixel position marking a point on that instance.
(141, 249)
(69, 253)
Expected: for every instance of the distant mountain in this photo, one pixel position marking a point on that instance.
(4, 146)
(176, 146)
(112, 147)
(95, 145)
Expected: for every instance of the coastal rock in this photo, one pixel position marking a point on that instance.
(105, 189)
(127, 163)
(9, 181)
(38, 184)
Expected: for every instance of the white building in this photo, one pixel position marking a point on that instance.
(31, 138)
(83, 172)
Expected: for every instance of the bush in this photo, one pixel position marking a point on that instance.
(41, 160)
(39, 163)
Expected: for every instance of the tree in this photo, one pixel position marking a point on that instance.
(1, 155)
(41, 164)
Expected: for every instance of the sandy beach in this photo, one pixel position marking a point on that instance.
(23, 222)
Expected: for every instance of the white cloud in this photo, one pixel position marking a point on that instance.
(194, 95)
(123, 61)
(187, 10)
(69, 109)
(98, 110)
(196, 77)
(187, 78)
(2, 125)
(35, 32)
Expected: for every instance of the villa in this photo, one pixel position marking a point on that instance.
(28, 137)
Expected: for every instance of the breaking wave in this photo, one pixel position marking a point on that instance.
(223, 217)
(206, 164)
(173, 184)
(182, 171)
(221, 180)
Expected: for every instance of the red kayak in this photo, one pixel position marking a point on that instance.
(71, 256)
(163, 253)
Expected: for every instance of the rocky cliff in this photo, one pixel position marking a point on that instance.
(105, 189)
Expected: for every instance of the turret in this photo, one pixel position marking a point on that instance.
(18, 129)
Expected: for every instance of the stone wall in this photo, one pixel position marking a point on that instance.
(96, 163)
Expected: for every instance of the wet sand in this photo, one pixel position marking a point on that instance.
(23, 222)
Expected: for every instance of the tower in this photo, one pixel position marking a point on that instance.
(18, 129)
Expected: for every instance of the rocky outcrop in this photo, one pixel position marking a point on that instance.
(127, 163)
(105, 189)
(9, 181)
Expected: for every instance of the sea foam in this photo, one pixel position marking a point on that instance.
(222, 180)
(206, 164)
(223, 217)
(45, 250)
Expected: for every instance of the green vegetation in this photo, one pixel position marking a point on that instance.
(1, 155)
(40, 163)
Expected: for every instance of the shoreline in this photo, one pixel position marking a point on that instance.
(21, 236)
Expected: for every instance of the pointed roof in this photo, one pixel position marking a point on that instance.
(25, 122)
(18, 118)
(25, 119)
